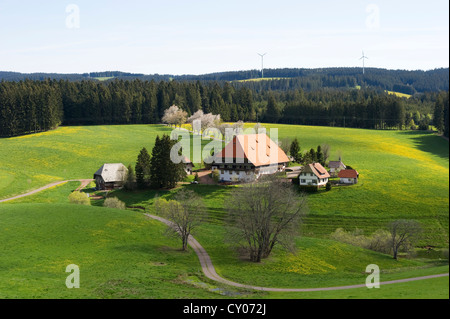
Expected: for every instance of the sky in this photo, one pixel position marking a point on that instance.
(204, 36)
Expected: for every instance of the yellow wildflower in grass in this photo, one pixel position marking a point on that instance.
(63, 130)
(187, 127)
(306, 262)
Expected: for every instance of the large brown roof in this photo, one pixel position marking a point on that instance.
(257, 149)
(348, 173)
(316, 169)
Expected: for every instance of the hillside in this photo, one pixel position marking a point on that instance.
(122, 254)
(403, 81)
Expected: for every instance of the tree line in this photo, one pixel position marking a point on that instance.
(441, 115)
(33, 106)
(404, 81)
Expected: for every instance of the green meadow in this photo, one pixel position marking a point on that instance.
(120, 254)
(32, 161)
(403, 174)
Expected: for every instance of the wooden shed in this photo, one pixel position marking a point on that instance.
(110, 176)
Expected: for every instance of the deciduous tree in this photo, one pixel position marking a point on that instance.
(265, 214)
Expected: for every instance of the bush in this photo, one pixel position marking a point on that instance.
(328, 186)
(379, 241)
(445, 253)
(114, 202)
(79, 198)
(216, 175)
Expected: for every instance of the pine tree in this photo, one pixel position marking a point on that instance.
(130, 181)
(164, 172)
(439, 116)
(294, 150)
(319, 156)
(273, 114)
(312, 156)
(143, 169)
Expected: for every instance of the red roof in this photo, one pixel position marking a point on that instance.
(257, 149)
(348, 173)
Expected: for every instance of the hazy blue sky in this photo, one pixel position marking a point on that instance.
(202, 36)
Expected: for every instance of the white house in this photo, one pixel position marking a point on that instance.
(348, 176)
(313, 175)
(247, 157)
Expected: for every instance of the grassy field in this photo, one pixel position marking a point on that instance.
(400, 94)
(402, 175)
(121, 254)
(260, 79)
(31, 161)
(104, 78)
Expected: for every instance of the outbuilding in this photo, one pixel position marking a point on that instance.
(348, 176)
(110, 176)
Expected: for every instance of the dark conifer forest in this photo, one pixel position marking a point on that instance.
(328, 97)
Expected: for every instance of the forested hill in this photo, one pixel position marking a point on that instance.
(403, 81)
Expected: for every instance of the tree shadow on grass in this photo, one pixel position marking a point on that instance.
(429, 142)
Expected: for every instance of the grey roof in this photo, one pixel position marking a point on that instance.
(336, 164)
(112, 172)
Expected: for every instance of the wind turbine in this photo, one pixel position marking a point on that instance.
(262, 64)
(363, 57)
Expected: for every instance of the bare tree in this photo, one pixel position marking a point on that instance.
(238, 127)
(185, 213)
(403, 234)
(285, 144)
(325, 152)
(258, 127)
(264, 214)
(223, 127)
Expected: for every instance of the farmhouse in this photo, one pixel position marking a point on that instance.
(189, 166)
(247, 157)
(110, 176)
(313, 175)
(336, 167)
(348, 176)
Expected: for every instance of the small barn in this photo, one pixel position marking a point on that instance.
(336, 167)
(110, 176)
(348, 176)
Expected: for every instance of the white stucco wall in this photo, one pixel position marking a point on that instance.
(311, 180)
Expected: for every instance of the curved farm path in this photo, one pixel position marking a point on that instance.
(205, 261)
(210, 272)
(84, 183)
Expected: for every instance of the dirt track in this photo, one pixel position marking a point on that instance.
(210, 271)
(84, 183)
(206, 262)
